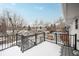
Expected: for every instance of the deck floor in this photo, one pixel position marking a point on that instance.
(65, 51)
(43, 49)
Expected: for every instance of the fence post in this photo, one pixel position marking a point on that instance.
(35, 43)
(16, 38)
(75, 42)
(22, 48)
(56, 37)
(2, 42)
(44, 36)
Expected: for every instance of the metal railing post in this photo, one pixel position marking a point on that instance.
(2, 42)
(56, 37)
(22, 49)
(35, 43)
(44, 36)
(16, 38)
(75, 47)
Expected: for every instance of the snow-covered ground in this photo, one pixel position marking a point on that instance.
(43, 49)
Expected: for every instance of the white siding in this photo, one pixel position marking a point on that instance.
(73, 31)
(70, 11)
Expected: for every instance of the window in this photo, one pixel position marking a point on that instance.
(76, 24)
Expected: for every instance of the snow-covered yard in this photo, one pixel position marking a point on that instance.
(43, 49)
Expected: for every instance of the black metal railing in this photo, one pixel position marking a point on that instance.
(28, 41)
(7, 41)
(65, 39)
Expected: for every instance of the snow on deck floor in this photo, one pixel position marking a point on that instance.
(43, 49)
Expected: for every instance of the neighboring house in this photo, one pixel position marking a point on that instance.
(71, 15)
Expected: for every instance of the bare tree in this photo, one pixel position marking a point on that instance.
(12, 20)
(60, 24)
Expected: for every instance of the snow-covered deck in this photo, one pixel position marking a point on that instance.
(43, 49)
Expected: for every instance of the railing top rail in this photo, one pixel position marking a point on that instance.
(38, 33)
(6, 35)
(66, 34)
